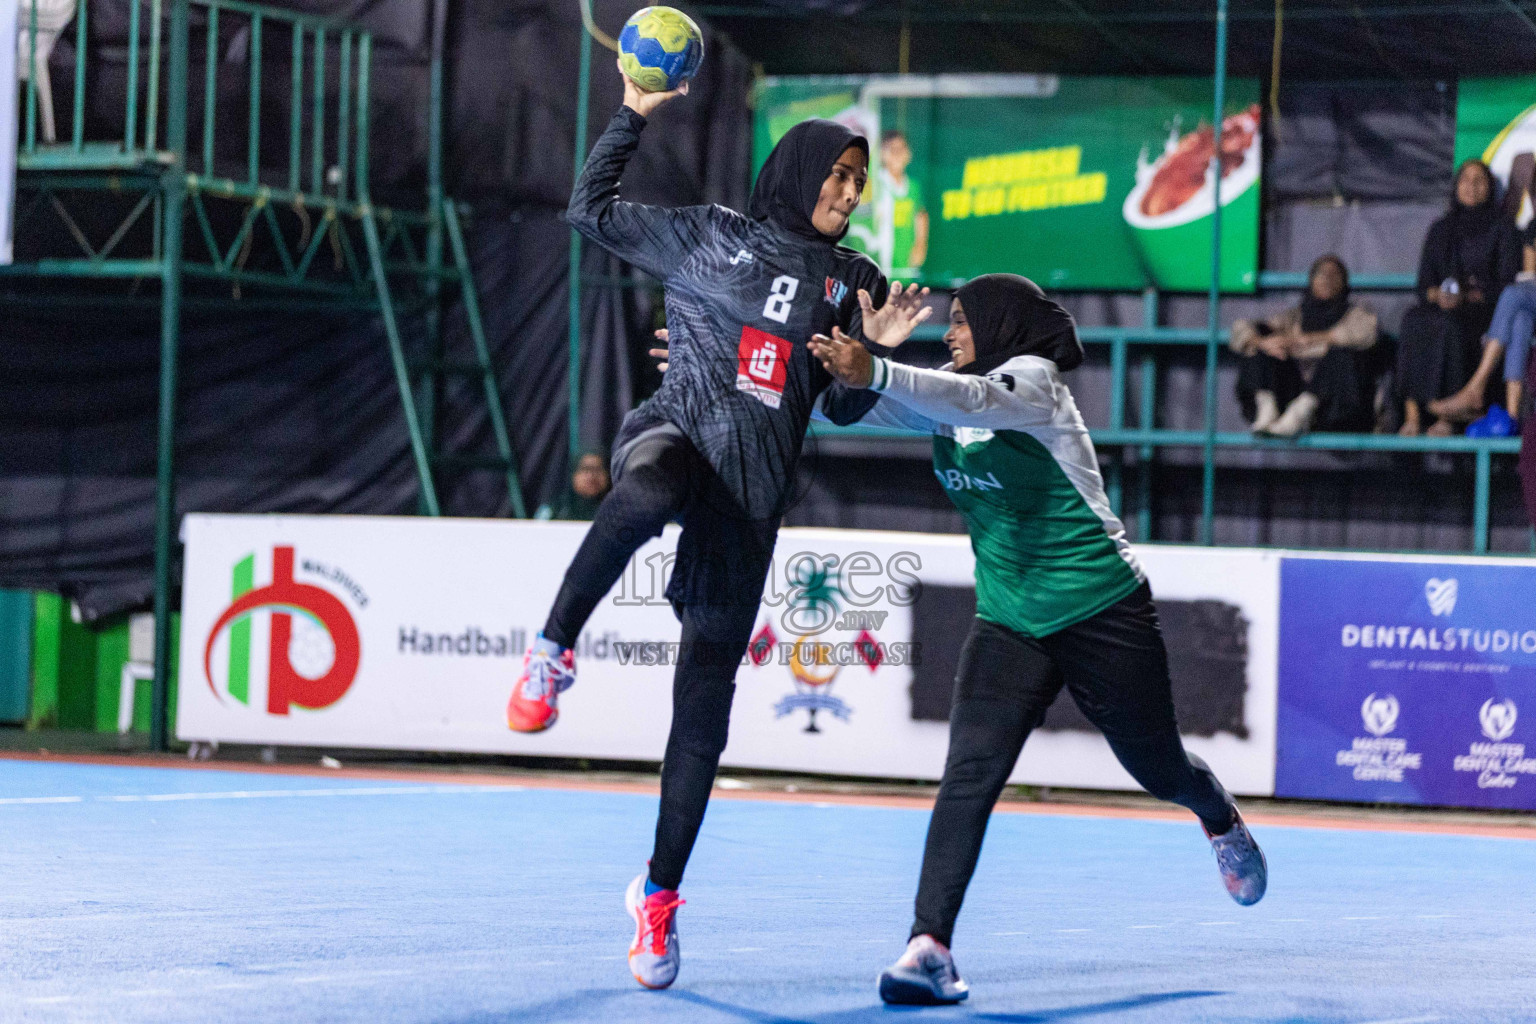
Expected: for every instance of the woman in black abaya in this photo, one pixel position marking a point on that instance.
(1470, 254)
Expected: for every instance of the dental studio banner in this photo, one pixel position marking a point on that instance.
(407, 633)
(1077, 183)
(1496, 123)
(1408, 680)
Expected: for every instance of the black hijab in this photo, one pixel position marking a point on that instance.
(1318, 314)
(1472, 236)
(790, 182)
(1010, 316)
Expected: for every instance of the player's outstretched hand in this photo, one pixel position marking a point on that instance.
(845, 359)
(661, 353)
(642, 102)
(893, 323)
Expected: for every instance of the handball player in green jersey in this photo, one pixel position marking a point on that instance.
(1060, 598)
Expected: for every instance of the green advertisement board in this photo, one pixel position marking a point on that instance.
(1496, 123)
(1077, 183)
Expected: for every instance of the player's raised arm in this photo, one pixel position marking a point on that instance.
(653, 238)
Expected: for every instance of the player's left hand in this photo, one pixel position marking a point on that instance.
(893, 323)
(845, 359)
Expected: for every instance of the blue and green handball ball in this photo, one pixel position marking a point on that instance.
(660, 48)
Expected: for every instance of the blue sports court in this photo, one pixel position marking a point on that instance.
(157, 894)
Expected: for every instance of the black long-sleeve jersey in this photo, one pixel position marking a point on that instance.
(743, 298)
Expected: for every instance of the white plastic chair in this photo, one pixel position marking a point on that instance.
(52, 17)
(139, 668)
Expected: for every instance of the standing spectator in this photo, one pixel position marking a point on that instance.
(1308, 361)
(1508, 341)
(1470, 254)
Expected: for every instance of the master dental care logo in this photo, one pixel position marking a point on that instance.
(313, 648)
(1379, 757)
(1498, 764)
(1379, 714)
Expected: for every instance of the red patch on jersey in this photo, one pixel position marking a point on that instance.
(762, 365)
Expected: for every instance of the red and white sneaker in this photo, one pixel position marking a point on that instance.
(655, 955)
(548, 671)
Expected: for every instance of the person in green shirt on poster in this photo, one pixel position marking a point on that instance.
(903, 220)
(1060, 597)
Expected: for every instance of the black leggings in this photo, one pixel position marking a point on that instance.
(1116, 668)
(660, 477)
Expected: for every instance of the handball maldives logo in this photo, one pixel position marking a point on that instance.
(314, 647)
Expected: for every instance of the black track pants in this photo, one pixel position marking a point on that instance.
(657, 476)
(662, 477)
(1115, 667)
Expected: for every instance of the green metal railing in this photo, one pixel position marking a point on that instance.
(1145, 437)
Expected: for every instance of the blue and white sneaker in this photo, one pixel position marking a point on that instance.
(924, 976)
(655, 955)
(1242, 864)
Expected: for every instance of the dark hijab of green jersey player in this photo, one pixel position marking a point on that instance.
(1011, 316)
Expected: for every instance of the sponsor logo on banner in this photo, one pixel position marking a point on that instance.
(1497, 764)
(1379, 757)
(1497, 720)
(813, 660)
(1441, 595)
(314, 648)
(1379, 714)
(1424, 649)
(762, 365)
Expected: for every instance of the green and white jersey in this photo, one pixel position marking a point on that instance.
(1012, 453)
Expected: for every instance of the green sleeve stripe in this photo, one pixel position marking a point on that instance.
(881, 377)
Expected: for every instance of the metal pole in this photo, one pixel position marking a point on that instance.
(427, 391)
(1149, 318)
(1483, 472)
(1213, 320)
(573, 372)
(174, 187)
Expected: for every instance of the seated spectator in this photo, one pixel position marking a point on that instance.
(590, 483)
(1303, 368)
(1508, 341)
(1470, 254)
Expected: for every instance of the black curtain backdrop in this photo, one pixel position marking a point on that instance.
(298, 412)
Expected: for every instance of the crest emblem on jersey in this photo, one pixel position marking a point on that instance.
(836, 291)
(968, 437)
(762, 366)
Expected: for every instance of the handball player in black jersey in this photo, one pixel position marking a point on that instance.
(716, 448)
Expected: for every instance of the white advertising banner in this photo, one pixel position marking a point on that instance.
(407, 633)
